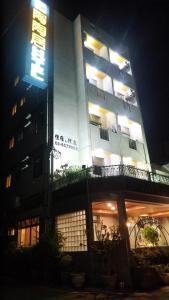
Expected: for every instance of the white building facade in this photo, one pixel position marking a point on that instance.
(97, 117)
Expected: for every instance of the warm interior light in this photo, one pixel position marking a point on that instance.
(109, 204)
(117, 59)
(128, 224)
(113, 208)
(120, 87)
(144, 215)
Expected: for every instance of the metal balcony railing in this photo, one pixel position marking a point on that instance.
(109, 171)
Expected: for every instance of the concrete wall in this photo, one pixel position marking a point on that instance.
(83, 118)
(65, 98)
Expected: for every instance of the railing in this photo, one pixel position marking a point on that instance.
(110, 171)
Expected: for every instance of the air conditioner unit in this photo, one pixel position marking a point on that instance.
(95, 120)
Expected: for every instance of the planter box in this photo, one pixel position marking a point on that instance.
(78, 280)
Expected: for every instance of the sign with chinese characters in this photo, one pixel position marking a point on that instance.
(65, 142)
(36, 72)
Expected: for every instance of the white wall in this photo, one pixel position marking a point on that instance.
(65, 98)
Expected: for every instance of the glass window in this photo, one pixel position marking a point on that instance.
(14, 110)
(73, 228)
(16, 81)
(98, 78)
(28, 234)
(11, 143)
(11, 231)
(120, 61)
(22, 101)
(148, 223)
(105, 220)
(8, 181)
(95, 46)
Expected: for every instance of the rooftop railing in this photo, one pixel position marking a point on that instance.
(109, 171)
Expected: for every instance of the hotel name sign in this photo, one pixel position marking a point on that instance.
(65, 142)
(36, 72)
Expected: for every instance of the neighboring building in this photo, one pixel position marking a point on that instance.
(95, 122)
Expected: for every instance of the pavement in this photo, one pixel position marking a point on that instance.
(48, 293)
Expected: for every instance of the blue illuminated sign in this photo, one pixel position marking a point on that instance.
(36, 72)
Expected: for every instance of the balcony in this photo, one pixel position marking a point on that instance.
(96, 46)
(109, 171)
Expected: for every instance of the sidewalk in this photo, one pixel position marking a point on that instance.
(46, 293)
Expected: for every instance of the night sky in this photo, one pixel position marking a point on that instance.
(143, 26)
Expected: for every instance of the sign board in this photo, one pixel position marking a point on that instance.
(36, 72)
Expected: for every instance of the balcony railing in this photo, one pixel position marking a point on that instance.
(110, 171)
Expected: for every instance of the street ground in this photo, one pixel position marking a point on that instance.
(47, 293)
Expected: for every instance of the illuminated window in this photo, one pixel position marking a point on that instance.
(12, 143)
(124, 92)
(28, 232)
(100, 116)
(130, 128)
(105, 221)
(99, 79)
(73, 228)
(96, 46)
(22, 101)
(16, 81)
(120, 61)
(8, 181)
(14, 109)
(11, 231)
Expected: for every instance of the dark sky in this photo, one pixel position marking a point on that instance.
(142, 25)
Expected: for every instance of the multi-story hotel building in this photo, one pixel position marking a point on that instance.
(75, 151)
(94, 90)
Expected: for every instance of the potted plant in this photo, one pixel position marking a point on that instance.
(102, 261)
(78, 279)
(65, 267)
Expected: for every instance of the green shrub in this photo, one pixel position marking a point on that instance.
(150, 256)
(150, 235)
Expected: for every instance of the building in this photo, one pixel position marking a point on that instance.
(76, 152)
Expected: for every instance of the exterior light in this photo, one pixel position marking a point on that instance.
(123, 120)
(96, 107)
(92, 71)
(90, 39)
(118, 85)
(114, 56)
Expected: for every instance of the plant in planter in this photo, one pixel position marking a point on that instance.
(78, 279)
(150, 234)
(65, 268)
(103, 264)
(71, 173)
(46, 255)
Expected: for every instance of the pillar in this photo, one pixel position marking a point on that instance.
(125, 263)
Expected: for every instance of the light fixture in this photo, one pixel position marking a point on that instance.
(122, 120)
(92, 71)
(113, 208)
(109, 204)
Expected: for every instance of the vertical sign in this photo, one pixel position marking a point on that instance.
(36, 72)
